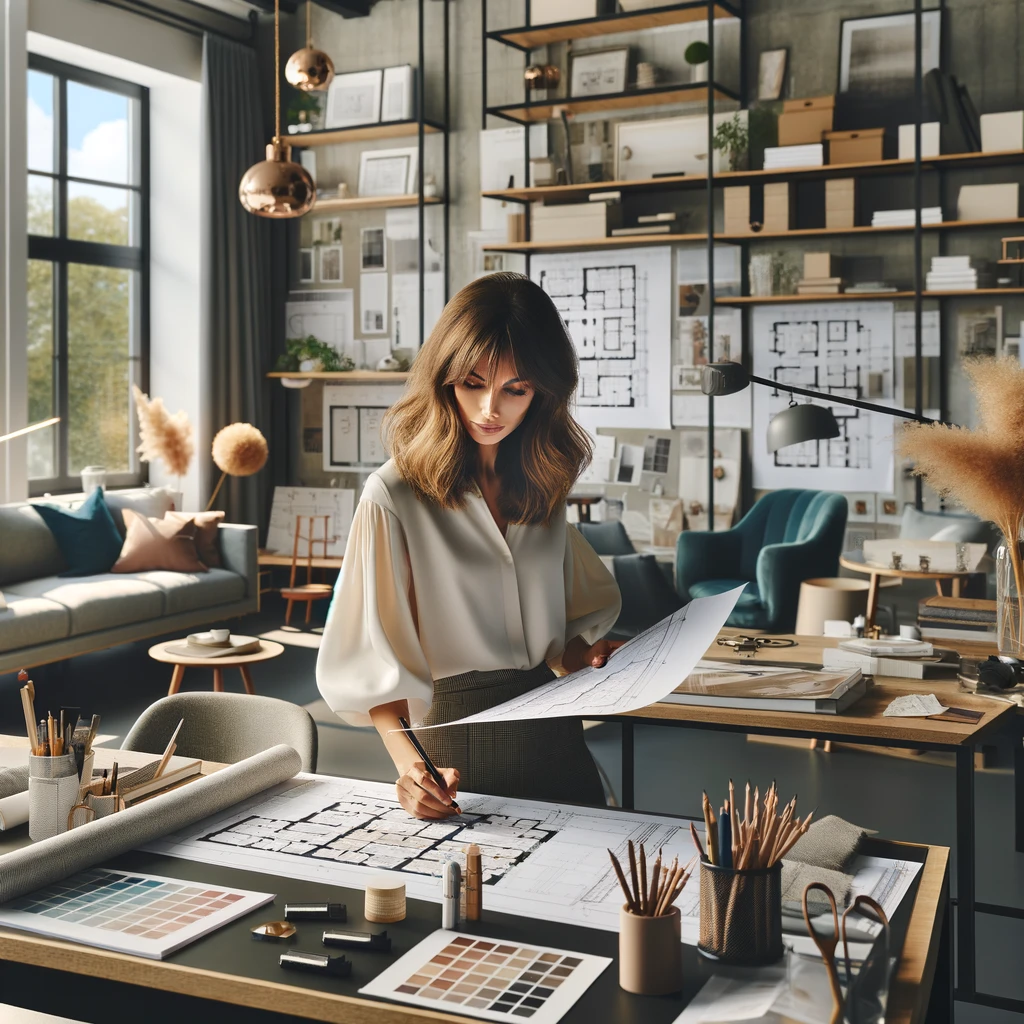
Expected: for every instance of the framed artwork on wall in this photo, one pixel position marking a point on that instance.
(354, 99)
(397, 94)
(372, 249)
(331, 267)
(599, 72)
(388, 172)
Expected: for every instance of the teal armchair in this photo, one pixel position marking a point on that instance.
(789, 536)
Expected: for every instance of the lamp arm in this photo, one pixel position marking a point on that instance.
(856, 403)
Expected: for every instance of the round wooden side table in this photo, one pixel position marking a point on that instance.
(270, 649)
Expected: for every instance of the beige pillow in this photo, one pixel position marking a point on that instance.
(158, 544)
(207, 525)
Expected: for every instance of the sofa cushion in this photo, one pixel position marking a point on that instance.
(184, 591)
(151, 501)
(28, 621)
(27, 548)
(86, 536)
(97, 602)
(207, 534)
(158, 544)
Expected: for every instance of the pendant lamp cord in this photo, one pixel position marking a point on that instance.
(277, 69)
(309, 29)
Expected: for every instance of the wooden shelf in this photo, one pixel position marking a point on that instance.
(726, 178)
(548, 110)
(355, 376)
(528, 37)
(947, 225)
(372, 202)
(767, 300)
(361, 133)
(571, 244)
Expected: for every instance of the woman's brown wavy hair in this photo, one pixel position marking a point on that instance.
(499, 317)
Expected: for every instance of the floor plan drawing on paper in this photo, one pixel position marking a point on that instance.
(616, 306)
(840, 350)
(338, 504)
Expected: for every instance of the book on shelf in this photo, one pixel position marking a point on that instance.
(818, 289)
(655, 218)
(643, 229)
(780, 157)
(942, 664)
(720, 684)
(906, 218)
(870, 288)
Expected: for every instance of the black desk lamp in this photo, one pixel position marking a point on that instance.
(798, 423)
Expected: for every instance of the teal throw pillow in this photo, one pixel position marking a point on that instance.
(86, 536)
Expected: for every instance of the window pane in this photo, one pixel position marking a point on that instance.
(40, 205)
(101, 314)
(99, 214)
(98, 134)
(41, 443)
(40, 121)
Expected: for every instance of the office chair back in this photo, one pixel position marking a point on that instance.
(224, 727)
(607, 538)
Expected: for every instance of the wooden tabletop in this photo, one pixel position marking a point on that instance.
(864, 719)
(270, 649)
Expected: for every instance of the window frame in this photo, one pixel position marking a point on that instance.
(60, 251)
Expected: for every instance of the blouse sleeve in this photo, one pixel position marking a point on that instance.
(592, 601)
(370, 653)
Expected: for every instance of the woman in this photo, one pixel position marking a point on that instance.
(462, 583)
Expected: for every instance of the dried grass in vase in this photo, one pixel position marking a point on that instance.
(163, 436)
(982, 469)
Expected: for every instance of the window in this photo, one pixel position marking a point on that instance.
(88, 275)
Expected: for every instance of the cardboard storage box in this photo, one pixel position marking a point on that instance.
(820, 265)
(736, 204)
(840, 202)
(860, 147)
(777, 206)
(805, 121)
(929, 140)
(1002, 132)
(988, 202)
(566, 222)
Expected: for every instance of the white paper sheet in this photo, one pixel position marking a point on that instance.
(617, 306)
(641, 672)
(401, 223)
(914, 705)
(503, 154)
(724, 1000)
(405, 307)
(371, 444)
(342, 446)
(328, 314)
(373, 303)
(335, 503)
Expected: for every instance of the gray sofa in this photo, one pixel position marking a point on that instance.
(49, 617)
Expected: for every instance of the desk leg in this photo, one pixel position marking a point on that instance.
(872, 608)
(628, 796)
(965, 951)
(940, 1002)
(1018, 790)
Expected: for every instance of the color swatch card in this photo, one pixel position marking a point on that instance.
(146, 915)
(489, 978)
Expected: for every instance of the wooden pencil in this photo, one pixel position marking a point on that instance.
(622, 881)
(643, 879)
(632, 873)
(696, 842)
(655, 878)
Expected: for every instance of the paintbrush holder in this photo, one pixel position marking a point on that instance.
(650, 953)
(52, 792)
(741, 915)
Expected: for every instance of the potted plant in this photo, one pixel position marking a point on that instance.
(311, 355)
(733, 138)
(697, 55)
(303, 111)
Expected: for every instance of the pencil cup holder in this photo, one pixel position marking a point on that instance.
(52, 792)
(650, 953)
(741, 915)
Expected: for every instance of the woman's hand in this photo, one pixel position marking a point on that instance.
(422, 797)
(579, 655)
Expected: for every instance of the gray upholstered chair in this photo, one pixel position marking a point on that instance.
(224, 727)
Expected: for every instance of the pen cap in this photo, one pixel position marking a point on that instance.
(451, 880)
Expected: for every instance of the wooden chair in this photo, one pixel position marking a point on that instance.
(308, 591)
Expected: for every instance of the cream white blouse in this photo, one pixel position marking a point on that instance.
(425, 593)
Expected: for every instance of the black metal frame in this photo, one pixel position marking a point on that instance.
(61, 251)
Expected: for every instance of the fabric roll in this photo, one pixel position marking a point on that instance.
(52, 859)
(13, 781)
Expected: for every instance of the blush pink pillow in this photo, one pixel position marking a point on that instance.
(158, 544)
(207, 526)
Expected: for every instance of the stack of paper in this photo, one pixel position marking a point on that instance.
(951, 273)
(776, 157)
(905, 218)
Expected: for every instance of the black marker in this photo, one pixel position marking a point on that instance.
(358, 940)
(319, 963)
(426, 760)
(315, 912)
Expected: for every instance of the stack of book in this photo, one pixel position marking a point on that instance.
(892, 656)
(821, 275)
(905, 218)
(967, 619)
(951, 273)
(869, 288)
(666, 223)
(819, 286)
(777, 157)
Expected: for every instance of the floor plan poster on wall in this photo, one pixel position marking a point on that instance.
(617, 305)
(336, 503)
(844, 350)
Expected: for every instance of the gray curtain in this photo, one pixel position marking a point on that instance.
(237, 267)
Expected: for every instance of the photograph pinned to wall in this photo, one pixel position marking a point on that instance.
(307, 261)
(602, 464)
(657, 453)
(888, 509)
(354, 99)
(313, 440)
(629, 465)
(862, 508)
(692, 300)
(373, 249)
(388, 172)
(397, 95)
(373, 303)
(331, 265)
(599, 71)
(405, 307)
(771, 72)
(979, 332)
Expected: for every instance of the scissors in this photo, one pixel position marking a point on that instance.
(827, 943)
(750, 645)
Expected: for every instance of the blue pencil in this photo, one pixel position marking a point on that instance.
(724, 839)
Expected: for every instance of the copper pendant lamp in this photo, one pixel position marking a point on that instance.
(277, 187)
(309, 69)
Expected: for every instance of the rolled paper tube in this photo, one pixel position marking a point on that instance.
(13, 811)
(53, 859)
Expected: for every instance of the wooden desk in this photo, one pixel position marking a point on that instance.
(863, 723)
(226, 975)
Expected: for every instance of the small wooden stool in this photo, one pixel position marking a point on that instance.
(270, 649)
(308, 591)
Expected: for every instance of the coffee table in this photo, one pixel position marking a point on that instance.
(158, 652)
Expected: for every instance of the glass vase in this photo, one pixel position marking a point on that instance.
(1009, 621)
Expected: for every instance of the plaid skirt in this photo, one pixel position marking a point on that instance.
(537, 759)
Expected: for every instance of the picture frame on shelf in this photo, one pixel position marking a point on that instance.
(862, 507)
(354, 99)
(771, 73)
(372, 249)
(307, 266)
(332, 267)
(597, 72)
(889, 509)
(388, 172)
(397, 94)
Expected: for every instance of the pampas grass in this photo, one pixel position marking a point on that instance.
(982, 469)
(163, 436)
